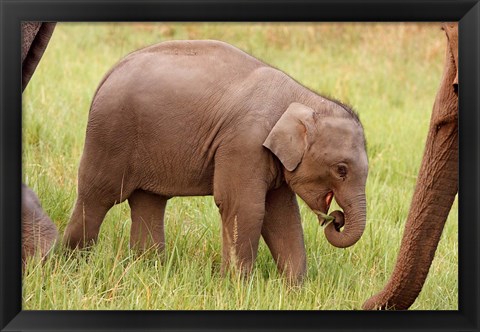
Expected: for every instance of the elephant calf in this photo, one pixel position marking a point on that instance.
(38, 231)
(187, 118)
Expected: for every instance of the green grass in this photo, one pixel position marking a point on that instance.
(389, 73)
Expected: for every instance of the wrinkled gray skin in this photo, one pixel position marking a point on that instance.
(188, 118)
(38, 231)
(35, 38)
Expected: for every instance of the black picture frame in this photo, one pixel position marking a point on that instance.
(13, 12)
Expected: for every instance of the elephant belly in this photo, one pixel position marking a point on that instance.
(177, 170)
(181, 182)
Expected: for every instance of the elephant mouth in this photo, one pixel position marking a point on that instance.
(328, 200)
(336, 217)
(323, 217)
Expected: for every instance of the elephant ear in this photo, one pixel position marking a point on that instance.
(288, 138)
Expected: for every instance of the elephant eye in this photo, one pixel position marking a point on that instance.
(342, 171)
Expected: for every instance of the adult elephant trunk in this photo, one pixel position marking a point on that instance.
(437, 185)
(353, 221)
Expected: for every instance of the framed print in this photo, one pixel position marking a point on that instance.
(239, 165)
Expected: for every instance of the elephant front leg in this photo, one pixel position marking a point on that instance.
(241, 201)
(282, 231)
(242, 218)
(147, 211)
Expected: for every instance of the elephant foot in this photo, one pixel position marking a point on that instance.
(381, 301)
(376, 302)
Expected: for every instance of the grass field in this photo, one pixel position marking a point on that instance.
(389, 73)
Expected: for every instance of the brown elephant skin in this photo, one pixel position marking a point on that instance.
(435, 191)
(38, 231)
(188, 118)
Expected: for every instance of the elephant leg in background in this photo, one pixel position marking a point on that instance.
(147, 211)
(283, 234)
(437, 185)
(35, 38)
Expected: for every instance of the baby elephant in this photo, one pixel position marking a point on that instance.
(38, 231)
(188, 118)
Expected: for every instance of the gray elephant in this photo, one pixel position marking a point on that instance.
(39, 233)
(35, 38)
(185, 118)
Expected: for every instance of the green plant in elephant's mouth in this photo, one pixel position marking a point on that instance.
(326, 219)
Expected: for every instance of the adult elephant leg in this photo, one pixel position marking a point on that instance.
(437, 185)
(35, 38)
(283, 234)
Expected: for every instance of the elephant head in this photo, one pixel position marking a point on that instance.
(323, 156)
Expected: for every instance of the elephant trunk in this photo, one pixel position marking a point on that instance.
(437, 185)
(353, 222)
(432, 201)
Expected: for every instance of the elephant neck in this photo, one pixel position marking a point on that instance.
(279, 177)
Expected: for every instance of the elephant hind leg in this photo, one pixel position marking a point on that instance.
(147, 211)
(84, 225)
(95, 199)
